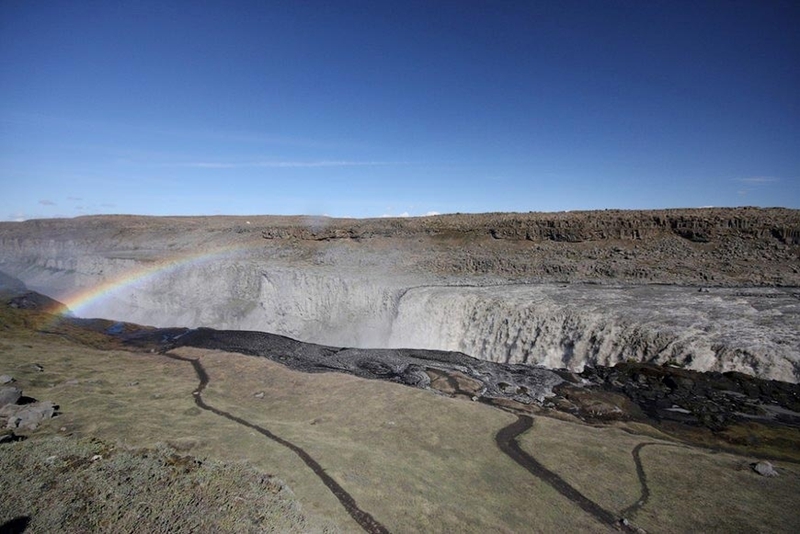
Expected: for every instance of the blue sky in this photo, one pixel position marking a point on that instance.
(374, 108)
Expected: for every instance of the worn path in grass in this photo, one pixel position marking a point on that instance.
(640, 473)
(507, 442)
(363, 518)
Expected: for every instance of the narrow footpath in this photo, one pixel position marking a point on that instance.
(367, 522)
(506, 440)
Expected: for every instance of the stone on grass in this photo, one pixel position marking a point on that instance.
(765, 469)
(5, 379)
(28, 416)
(9, 395)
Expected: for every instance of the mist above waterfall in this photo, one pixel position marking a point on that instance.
(554, 325)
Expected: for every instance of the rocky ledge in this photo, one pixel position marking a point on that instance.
(666, 393)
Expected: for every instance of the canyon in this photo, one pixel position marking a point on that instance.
(597, 371)
(706, 289)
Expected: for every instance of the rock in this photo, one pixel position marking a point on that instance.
(569, 376)
(764, 468)
(30, 300)
(5, 379)
(6, 435)
(259, 395)
(9, 395)
(28, 416)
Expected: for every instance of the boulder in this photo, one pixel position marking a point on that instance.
(5, 379)
(27, 416)
(9, 395)
(765, 469)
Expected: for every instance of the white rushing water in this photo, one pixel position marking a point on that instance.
(756, 331)
(555, 326)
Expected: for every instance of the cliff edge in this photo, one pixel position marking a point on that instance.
(714, 246)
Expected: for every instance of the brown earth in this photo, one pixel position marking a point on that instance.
(714, 246)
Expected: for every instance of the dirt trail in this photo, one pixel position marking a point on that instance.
(367, 522)
(637, 458)
(506, 440)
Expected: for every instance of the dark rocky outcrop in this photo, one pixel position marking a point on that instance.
(522, 383)
(30, 300)
(638, 391)
(666, 393)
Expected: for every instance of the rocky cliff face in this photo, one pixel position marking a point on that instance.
(701, 225)
(742, 246)
(554, 289)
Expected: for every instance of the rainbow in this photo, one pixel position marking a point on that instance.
(77, 302)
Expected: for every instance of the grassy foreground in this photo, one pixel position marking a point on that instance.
(62, 484)
(416, 461)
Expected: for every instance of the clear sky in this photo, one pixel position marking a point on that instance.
(399, 107)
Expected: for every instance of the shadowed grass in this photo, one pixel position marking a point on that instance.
(70, 485)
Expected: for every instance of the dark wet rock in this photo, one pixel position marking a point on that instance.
(524, 383)
(6, 436)
(116, 328)
(765, 469)
(593, 405)
(712, 400)
(9, 395)
(568, 376)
